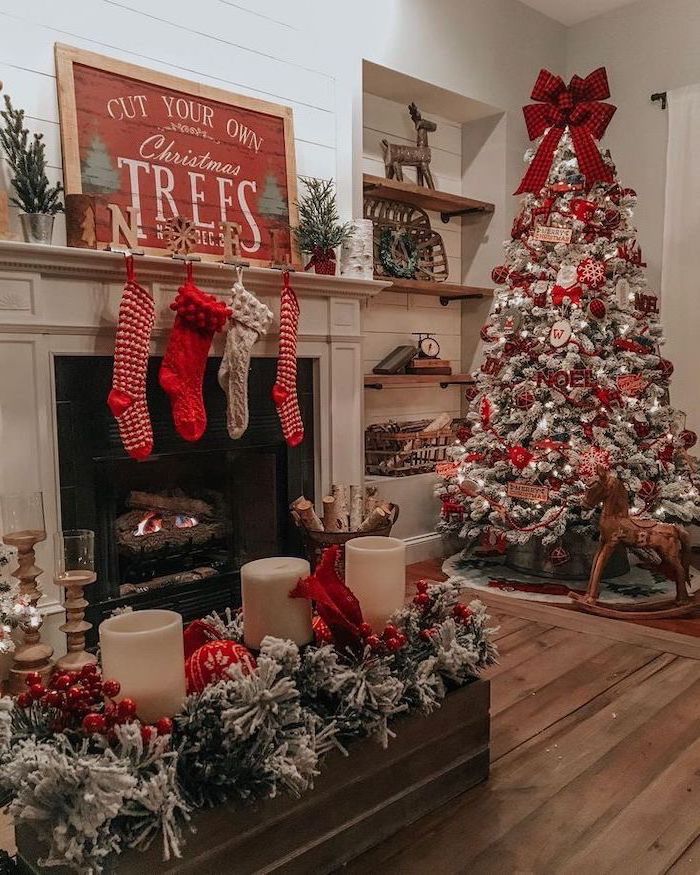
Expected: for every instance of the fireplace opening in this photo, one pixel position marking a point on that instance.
(174, 530)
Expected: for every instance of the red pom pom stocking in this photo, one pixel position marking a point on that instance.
(127, 400)
(199, 316)
(284, 392)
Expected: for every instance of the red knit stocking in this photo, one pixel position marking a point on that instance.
(284, 392)
(199, 316)
(127, 400)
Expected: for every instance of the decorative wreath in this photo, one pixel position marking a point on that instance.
(393, 243)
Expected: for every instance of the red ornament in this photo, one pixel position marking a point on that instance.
(422, 599)
(93, 723)
(665, 454)
(590, 460)
(23, 700)
(33, 677)
(525, 399)
(164, 726)
(209, 663)
(648, 490)
(573, 293)
(500, 274)
(554, 483)
(641, 429)
(688, 438)
(374, 642)
(628, 192)
(148, 733)
(582, 209)
(471, 391)
(484, 333)
(519, 457)
(591, 273)
(422, 585)
(597, 308)
(559, 556)
(111, 688)
(54, 699)
(61, 681)
(666, 368)
(37, 691)
(321, 631)
(485, 410)
(126, 709)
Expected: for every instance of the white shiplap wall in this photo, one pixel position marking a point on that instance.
(249, 47)
(390, 318)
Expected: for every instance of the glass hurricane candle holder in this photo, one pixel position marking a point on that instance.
(23, 527)
(74, 569)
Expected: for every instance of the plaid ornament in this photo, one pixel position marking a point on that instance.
(577, 106)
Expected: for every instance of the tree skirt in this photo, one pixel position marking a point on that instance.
(640, 586)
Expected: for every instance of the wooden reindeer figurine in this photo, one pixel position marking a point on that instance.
(397, 155)
(670, 542)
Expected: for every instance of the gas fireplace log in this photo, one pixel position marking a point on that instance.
(166, 580)
(172, 503)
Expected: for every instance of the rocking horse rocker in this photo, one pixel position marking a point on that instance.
(669, 542)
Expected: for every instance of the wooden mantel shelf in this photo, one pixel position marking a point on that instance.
(443, 202)
(403, 381)
(102, 266)
(445, 291)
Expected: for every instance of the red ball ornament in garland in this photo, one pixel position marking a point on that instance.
(641, 429)
(94, 723)
(559, 556)
(666, 453)
(471, 391)
(583, 209)
(648, 490)
(485, 410)
(519, 456)
(210, 662)
(126, 709)
(628, 192)
(111, 688)
(688, 438)
(164, 726)
(485, 335)
(500, 274)
(23, 700)
(591, 272)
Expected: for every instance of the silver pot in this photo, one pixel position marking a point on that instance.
(540, 560)
(37, 227)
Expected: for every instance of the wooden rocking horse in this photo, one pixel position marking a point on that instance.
(670, 542)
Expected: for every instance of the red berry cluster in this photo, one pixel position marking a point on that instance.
(202, 310)
(461, 613)
(81, 700)
(390, 641)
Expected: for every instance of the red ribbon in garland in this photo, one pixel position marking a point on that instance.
(577, 106)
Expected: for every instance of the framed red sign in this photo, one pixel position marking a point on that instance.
(150, 146)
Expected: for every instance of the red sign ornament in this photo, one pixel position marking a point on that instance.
(577, 106)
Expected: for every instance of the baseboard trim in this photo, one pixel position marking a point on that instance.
(419, 548)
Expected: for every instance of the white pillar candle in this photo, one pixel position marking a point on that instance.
(267, 607)
(144, 651)
(375, 571)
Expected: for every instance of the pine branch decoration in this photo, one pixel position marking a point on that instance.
(27, 160)
(319, 225)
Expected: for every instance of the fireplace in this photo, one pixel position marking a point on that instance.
(174, 530)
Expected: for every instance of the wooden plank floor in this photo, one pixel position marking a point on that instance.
(595, 765)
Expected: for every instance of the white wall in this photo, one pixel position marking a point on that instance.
(648, 46)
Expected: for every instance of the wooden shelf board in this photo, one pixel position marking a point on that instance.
(401, 381)
(428, 199)
(437, 290)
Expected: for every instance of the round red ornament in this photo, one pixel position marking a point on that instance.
(641, 429)
(524, 399)
(648, 490)
(520, 457)
(628, 192)
(559, 556)
(111, 688)
(597, 308)
(688, 438)
(93, 723)
(500, 274)
(164, 726)
(209, 663)
(471, 391)
(484, 333)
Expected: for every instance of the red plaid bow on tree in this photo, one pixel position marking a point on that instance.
(577, 106)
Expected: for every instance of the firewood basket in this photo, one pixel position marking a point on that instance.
(316, 542)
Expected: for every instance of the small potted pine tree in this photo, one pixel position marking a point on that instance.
(320, 230)
(38, 200)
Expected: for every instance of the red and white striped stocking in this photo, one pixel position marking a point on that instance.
(284, 392)
(127, 400)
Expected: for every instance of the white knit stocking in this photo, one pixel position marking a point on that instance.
(251, 320)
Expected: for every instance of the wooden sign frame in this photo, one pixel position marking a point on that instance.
(212, 102)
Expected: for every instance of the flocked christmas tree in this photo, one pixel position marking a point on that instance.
(573, 375)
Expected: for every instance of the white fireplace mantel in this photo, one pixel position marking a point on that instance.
(60, 301)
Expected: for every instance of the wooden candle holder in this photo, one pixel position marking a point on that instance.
(76, 625)
(31, 655)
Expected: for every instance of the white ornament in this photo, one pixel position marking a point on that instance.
(622, 292)
(560, 333)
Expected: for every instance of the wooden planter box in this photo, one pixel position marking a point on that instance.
(357, 802)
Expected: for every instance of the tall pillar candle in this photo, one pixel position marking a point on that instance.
(267, 607)
(144, 651)
(375, 571)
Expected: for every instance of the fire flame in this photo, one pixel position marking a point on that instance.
(152, 522)
(185, 522)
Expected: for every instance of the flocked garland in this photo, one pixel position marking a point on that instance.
(90, 797)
